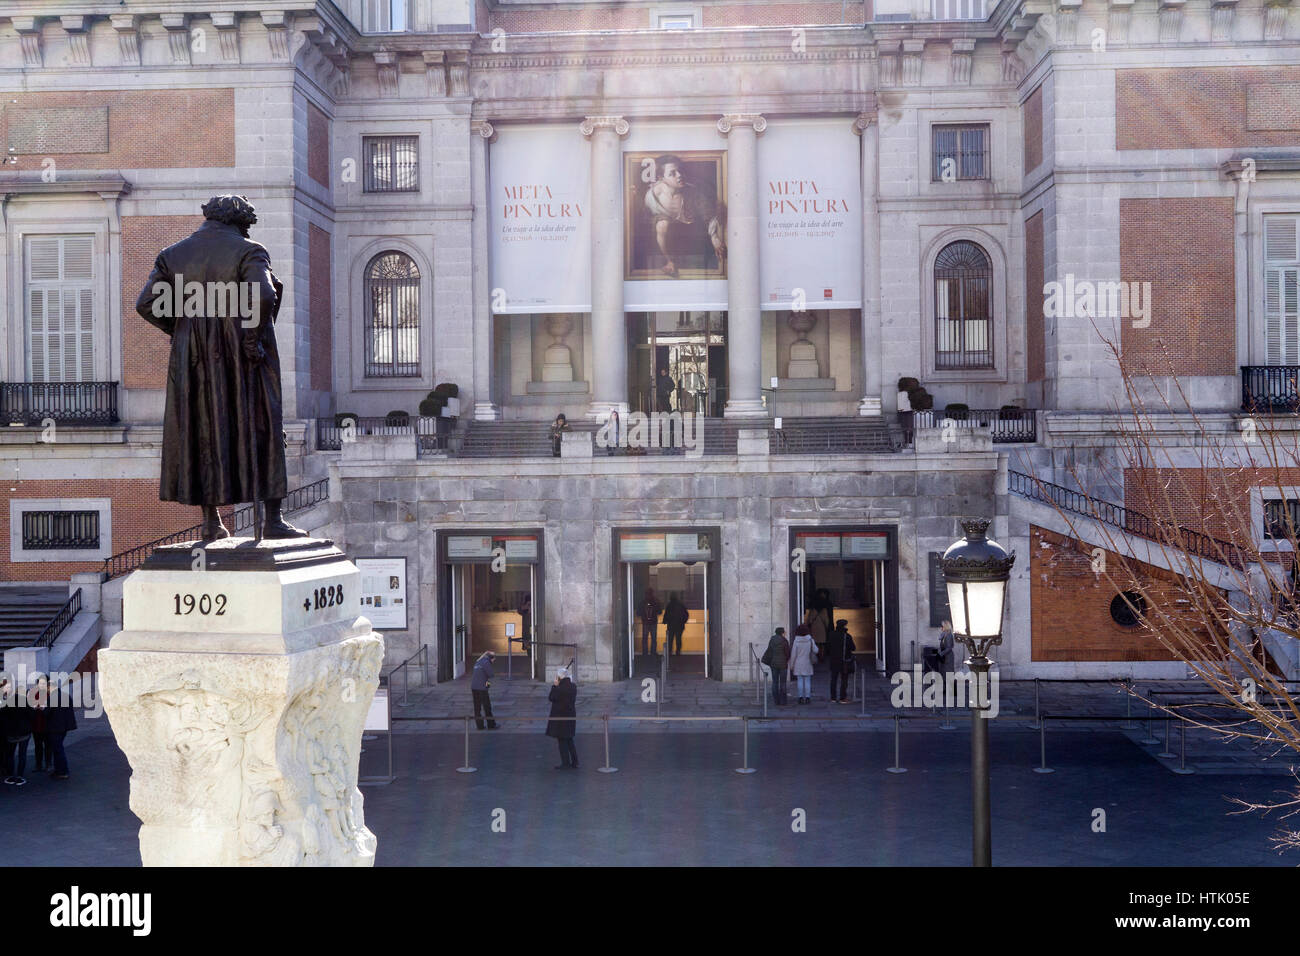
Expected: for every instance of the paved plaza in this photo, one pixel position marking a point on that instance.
(676, 799)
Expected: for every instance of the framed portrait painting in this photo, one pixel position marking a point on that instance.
(675, 215)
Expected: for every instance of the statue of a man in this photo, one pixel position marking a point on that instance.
(223, 440)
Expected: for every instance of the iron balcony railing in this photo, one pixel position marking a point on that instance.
(1270, 388)
(432, 433)
(1127, 520)
(1008, 425)
(61, 620)
(60, 530)
(66, 403)
(239, 521)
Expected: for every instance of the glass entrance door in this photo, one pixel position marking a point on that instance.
(460, 617)
(678, 362)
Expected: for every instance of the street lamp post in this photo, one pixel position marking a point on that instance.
(976, 570)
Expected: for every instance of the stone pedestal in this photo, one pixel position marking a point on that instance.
(238, 690)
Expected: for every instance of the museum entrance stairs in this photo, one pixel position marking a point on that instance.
(26, 610)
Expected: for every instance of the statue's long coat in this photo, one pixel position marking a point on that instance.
(221, 409)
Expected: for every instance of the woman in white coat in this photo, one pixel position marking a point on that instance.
(802, 656)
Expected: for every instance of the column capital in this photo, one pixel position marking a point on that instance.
(731, 120)
(592, 123)
(483, 128)
(863, 122)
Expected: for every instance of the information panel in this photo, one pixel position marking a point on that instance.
(383, 592)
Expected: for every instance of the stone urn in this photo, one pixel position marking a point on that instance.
(557, 361)
(803, 354)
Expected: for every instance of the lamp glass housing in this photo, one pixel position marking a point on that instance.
(984, 598)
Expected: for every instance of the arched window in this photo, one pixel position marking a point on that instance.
(963, 308)
(392, 331)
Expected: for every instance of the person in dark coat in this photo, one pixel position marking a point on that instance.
(16, 726)
(650, 608)
(558, 428)
(479, 683)
(39, 699)
(215, 296)
(564, 703)
(60, 720)
(840, 647)
(778, 647)
(676, 617)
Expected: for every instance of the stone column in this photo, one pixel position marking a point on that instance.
(744, 319)
(485, 409)
(872, 374)
(608, 323)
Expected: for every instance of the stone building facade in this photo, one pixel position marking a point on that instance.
(481, 194)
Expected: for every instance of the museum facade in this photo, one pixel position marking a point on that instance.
(809, 282)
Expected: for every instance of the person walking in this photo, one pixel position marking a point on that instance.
(479, 683)
(820, 618)
(650, 609)
(802, 655)
(841, 647)
(526, 613)
(777, 657)
(564, 703)
(60, 720)
(16, 726)
(558, 428)
(675, 618)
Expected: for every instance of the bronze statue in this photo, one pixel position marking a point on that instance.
(223, 442)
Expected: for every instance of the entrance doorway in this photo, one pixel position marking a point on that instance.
(691, 347)
(490, 601)
(666, 583)
(850, 575)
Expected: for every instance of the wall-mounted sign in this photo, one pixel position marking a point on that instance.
(469, 546)
(377, 714)
(383, 592)
(939, 610)
(688, 546)
(641, 547)
(865, 544)
(819, 545)
(520, 549)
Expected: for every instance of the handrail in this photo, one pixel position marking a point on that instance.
(242, 519)
(61, 620)
(1125, 518)
(406, 680)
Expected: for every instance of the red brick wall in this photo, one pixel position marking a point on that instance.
(1206, 108)
(1035, 339)
(318, 145)
(1215, 502)
(1184, 248)
(322, 336)
(138, 517)
(629, 17)
(1033, 122)
(145, 349)
(1070, 605)
(198, 128)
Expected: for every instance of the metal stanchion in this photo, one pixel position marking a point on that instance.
(1150, 738)
(607, 768)
(764, 691)
(1042, 748)
(1182, 758)
(945, 723)
(863, 695)
(1038, 718)
(467, 768)
(896, 768)
(745, 767)
(1128, 705)
(1168, 732)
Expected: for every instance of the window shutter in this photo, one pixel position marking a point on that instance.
(60, 313)
(1282, 289)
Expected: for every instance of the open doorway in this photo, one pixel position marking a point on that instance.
(849, 575)
(666, 604)
(490, 600)
(677, 362)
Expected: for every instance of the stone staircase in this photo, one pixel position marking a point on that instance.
(25, 611)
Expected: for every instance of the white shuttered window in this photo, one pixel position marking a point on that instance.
(1282, 289)
(60, 308)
